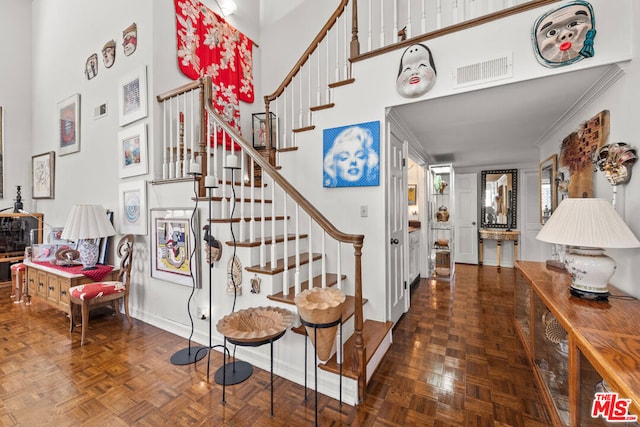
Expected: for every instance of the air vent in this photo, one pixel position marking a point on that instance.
(483, 72)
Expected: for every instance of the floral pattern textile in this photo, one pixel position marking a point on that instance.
(209, 46)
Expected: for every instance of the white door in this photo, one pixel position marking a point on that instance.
(466, 211)
(397, 293)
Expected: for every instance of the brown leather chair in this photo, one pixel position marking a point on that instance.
(99, 294)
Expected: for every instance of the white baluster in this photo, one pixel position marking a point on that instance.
(310, 249)
(263, 241)
(409, 31)
(318, 87)
(346, 42)
(339, 265)
(252, 192)
(309, 67)
(423, 21)
(171, 169)
(167, 122)
(185, 155)
(455, 12)
(276, 133)
(297, 273)
(243, 221)
(395, 21)
(273, 224)
(285, 273)
(223, 202)
(337, 64)
(370, 30)
(324, 259)
(381, 23)
(438, 14)
(327, 71)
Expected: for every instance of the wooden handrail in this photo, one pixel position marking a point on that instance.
(282, 182)
(453, 29)
(305, 56)
(181, 89)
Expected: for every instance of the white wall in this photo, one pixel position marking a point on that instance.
(16, 99)
(623, 102)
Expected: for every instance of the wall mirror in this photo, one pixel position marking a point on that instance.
(548, 188)
(499, 198)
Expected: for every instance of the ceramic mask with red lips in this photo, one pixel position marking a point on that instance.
(565, 35)
(417, 73)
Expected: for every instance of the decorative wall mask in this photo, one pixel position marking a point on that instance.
(577, 150)
(213, 247)
(91, 67)
(130, 39)
(109, 53)
(417, 72)
(564, 35)
(615, 160)
(234, 276)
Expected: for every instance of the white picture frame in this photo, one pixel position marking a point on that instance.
(178, 263)
(69, 125)
(132, 96)
(132, 207)
(132, 151)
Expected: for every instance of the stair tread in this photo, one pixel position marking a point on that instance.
(228, 198)
(322, 107)
(342, 83)
(253, 243)
(303, 129)
(279, 267)
(285, 150)
(373, 333)
(332, 279)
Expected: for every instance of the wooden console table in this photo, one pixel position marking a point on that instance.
(574, 344)
(499, 235)
(51, 284)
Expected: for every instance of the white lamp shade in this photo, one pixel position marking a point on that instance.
(587, 223)
(87, 222)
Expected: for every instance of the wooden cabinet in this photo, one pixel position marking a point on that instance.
(52, 285)
(577, 347)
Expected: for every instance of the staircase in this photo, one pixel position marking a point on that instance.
(280, 237)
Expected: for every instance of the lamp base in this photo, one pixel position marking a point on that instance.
(599, 296)
(590, 270)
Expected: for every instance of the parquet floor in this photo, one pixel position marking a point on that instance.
(455, 361)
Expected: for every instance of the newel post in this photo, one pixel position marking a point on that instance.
(358, 361)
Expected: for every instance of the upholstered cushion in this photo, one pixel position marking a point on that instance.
(18, 267)
(96, 289)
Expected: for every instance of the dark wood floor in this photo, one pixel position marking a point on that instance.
(455, 361)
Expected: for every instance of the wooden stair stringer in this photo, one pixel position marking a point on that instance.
(375, 335)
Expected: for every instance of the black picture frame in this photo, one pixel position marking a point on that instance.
(105, 242)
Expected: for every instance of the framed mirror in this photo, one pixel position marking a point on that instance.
(548, 188)
(498, 207)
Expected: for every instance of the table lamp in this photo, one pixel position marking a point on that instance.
(85, 225)
(589, 226)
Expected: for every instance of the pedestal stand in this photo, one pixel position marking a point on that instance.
(238, 370)
(191, 354)
(316, 326)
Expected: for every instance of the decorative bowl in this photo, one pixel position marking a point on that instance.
(255, 324)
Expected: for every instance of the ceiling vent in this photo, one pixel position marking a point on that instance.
(483, 72)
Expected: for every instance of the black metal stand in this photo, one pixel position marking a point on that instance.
(190, 354)
(258, 343)
(316, 326)
(238, 371)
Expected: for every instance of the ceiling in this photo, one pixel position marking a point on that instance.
(497, 126)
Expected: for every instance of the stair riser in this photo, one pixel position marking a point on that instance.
(272, 284)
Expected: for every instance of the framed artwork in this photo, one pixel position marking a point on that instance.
(132, 151)
(132, 208)
(412, 194)
(259, 129)
(132, 96)
(351, 156)
(43, 175)
(69, 125)
(174, 257)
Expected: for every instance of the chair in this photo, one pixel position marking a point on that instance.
(99, 294)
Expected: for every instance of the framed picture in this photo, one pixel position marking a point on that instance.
(174, 257)
(132, 96)
(132, 208)
(69, 125)
(44, 252)
(351, 156)
(412, 194)
(132, 151)
(43, 175)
